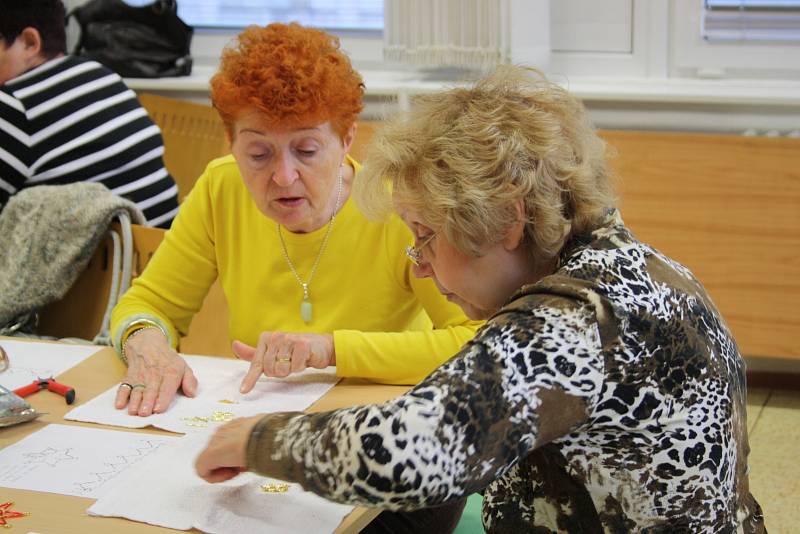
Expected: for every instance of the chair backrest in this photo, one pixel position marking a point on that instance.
(145, 242)
(193, 135)
(80, 313)
(208, 333)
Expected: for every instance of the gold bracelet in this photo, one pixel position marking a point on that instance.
(133, 334)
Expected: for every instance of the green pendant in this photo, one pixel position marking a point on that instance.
(305, 311)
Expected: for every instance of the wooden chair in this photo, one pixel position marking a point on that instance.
(80, 313)
(208, 333)
(145, 242)
(193, 135)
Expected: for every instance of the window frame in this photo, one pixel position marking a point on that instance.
(647, 57)
(692, 56)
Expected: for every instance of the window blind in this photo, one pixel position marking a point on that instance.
(751, 20)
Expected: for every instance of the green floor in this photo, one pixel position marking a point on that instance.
(471, 518)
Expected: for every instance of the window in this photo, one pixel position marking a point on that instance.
(751, 20)
(609, 39)
(696, 54)
(337, 15)
(359, 23)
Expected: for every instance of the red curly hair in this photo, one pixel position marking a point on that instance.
(295, 76)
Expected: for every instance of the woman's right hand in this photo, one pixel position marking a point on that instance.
(155, 372)
(280, 354)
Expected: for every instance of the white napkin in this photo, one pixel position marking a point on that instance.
(31, 360)
(164, 490)
(75, 460)
(217, 398)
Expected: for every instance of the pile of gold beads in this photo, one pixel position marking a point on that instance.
(275, 488)
(202, 422)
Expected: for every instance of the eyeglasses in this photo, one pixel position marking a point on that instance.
(414, 252)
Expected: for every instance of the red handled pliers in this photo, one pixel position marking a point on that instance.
(51, 385)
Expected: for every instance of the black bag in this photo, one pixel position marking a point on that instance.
(139, 42)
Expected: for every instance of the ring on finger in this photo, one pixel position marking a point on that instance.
(138, 386)
(284, 359)
(126, 384)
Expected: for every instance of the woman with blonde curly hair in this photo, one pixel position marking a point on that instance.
(604, 394)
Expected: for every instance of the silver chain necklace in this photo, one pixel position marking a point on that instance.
(305, 306)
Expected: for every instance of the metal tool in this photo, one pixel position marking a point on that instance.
(51, 385)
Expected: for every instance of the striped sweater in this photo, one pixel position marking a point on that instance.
(71, 119)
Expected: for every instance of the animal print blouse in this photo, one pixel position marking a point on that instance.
(607, 397)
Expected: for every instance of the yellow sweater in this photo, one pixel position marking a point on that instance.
(363, 291)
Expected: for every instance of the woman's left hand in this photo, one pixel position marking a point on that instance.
(225, 456)
(280, 354)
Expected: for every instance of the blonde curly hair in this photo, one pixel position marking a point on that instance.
(463, 158)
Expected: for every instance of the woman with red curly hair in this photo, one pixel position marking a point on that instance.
(309, 281)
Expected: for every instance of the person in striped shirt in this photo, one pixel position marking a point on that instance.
(66, 119)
